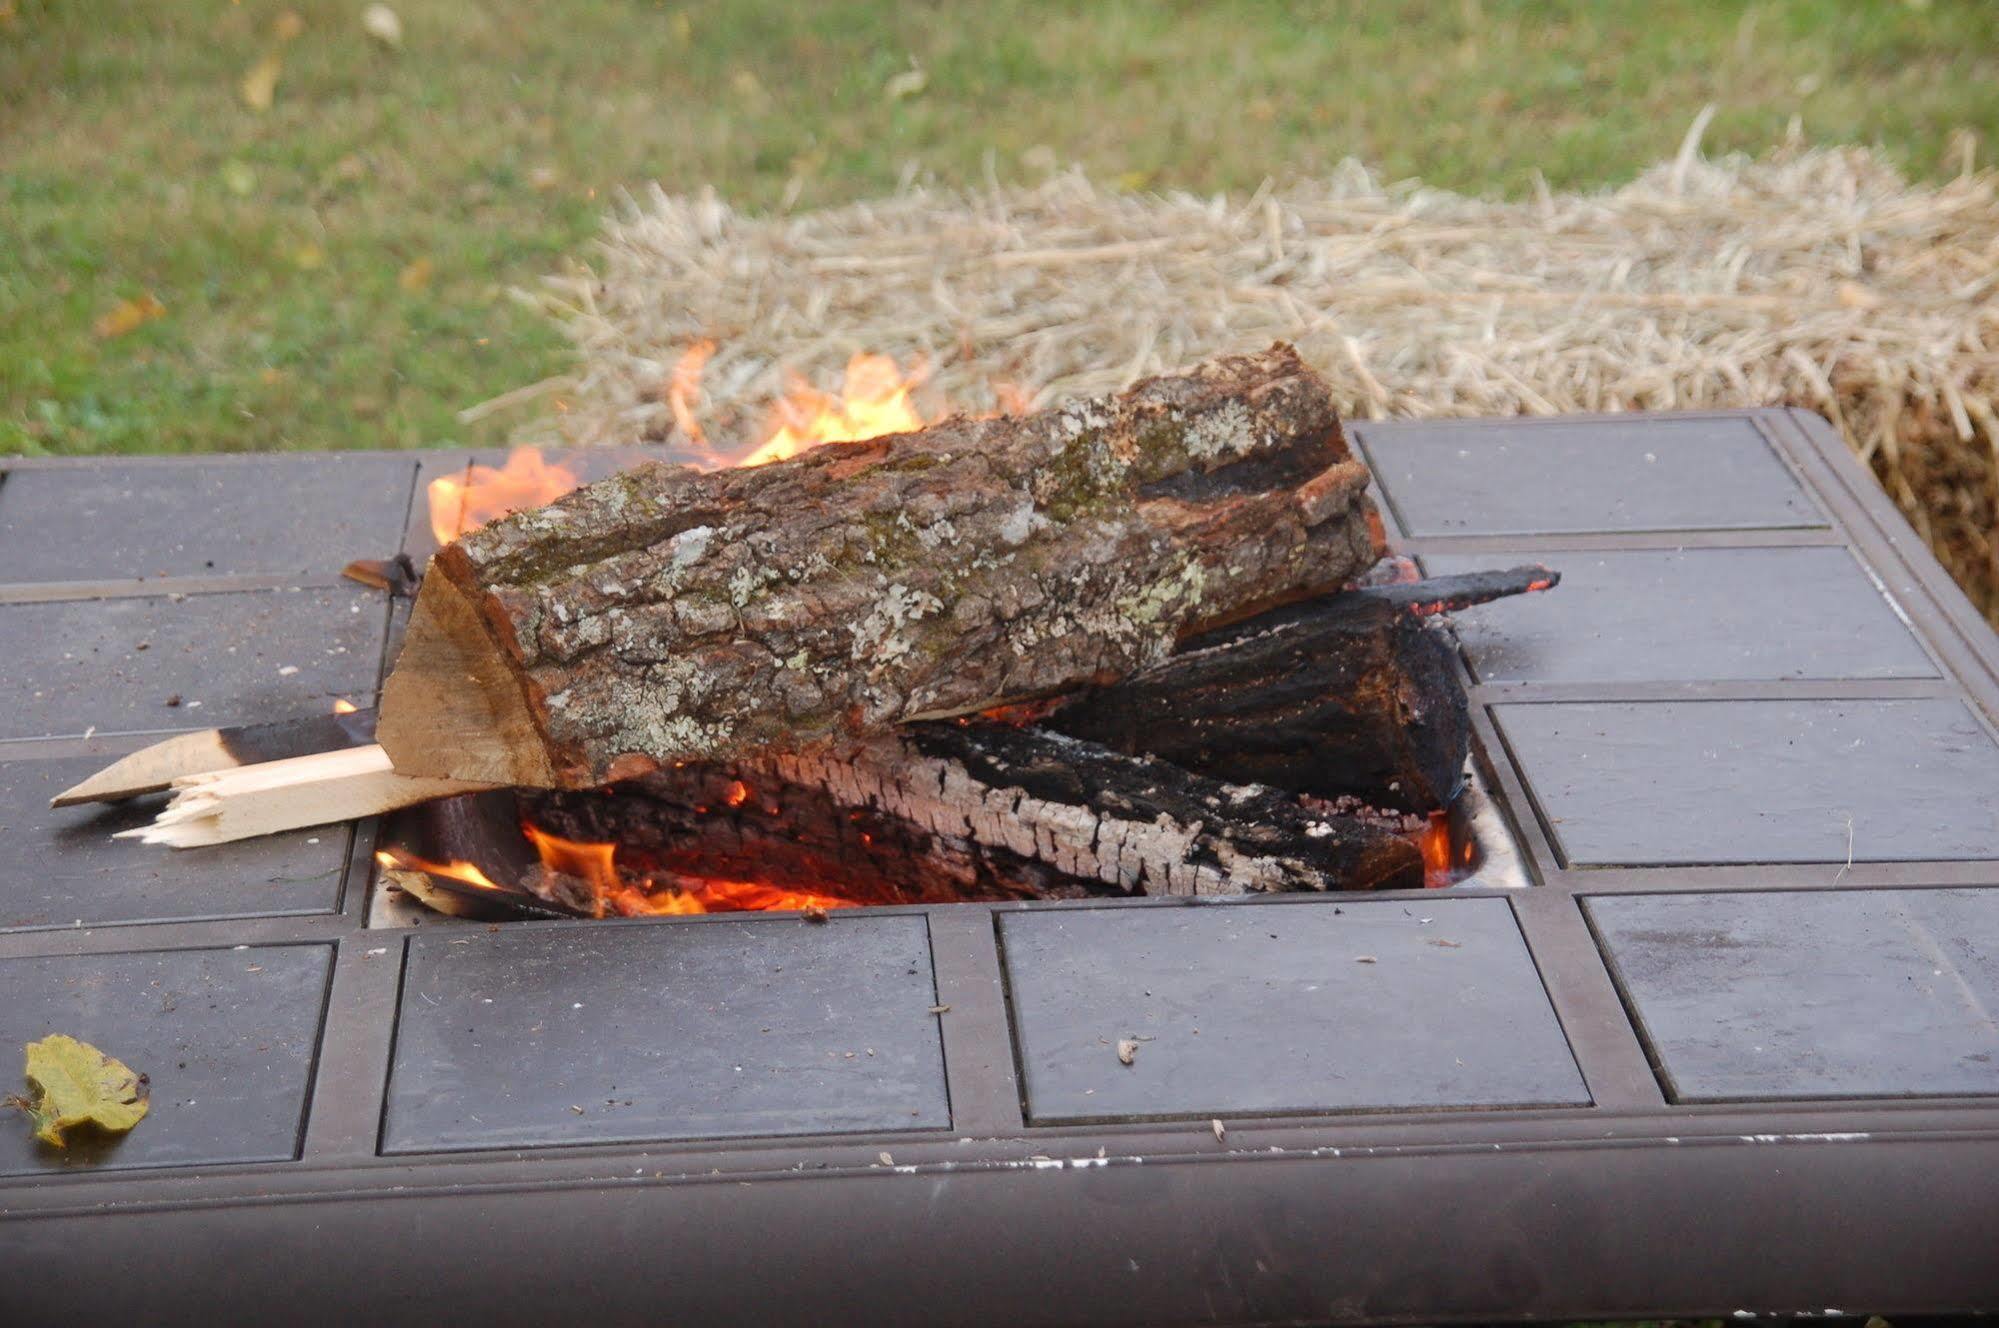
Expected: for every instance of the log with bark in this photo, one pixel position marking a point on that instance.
(668, 615)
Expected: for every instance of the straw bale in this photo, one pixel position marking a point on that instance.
(1817, 278)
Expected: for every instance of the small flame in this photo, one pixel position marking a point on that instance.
(343, 706)
(716, 896)
(1435, 841)
(487, 493)
(874, 400)
(684, 386)
(400, 859)
(596, 866)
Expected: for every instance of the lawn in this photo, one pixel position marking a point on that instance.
(184, 270)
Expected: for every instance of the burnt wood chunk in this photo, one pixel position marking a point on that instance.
(949, 811)
(1352, 695)
(669, 615)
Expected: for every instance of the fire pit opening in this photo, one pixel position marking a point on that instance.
(627, 851)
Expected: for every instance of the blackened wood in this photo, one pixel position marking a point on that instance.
(1352, 695)
(972, 811)
(1464, 590)
(666, 614)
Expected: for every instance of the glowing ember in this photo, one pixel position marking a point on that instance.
(713, 896)
(1435, 841)
(596, 866)
(487, 493)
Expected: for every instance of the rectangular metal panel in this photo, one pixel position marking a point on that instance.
(151, 663)
(280, 515)
(1842, 993)
(1656, 783)
(60, 867)
(588, 1034)
(227, 1039)
(1688, 615)
(1281, 1008)
(1551, 477)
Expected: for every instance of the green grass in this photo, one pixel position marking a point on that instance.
(282, 243)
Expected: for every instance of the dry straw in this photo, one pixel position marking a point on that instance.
(1813, 278)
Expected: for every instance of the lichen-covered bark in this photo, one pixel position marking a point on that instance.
(668, 615)
(949, 811)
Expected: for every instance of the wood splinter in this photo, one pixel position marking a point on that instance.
(220, 806)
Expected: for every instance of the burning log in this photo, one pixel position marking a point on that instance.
(667, 615)
(1348, 696)
(972, 811)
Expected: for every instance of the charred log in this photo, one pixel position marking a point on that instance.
(1352, 695)
(666, 615)
(958, 811)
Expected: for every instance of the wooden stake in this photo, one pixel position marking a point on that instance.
(220, 806)
(154, 769)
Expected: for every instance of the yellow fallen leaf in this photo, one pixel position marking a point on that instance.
(127, 315)
(415, 276)
(287, 26)
(683, 27)
(77, 1085)
(260, 82)
(309, 256)
(238, 178)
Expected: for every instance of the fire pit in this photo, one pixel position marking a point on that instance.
(1708, 1031)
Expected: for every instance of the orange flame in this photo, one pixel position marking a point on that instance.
(596, 865)
(343, 706)
(400, 859)
(874, 400)
(684, 386)
(1435, 841)
(715, 896)
(486, 493)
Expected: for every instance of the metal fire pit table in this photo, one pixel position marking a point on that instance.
(1731, 1052)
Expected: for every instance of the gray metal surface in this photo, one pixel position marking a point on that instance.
(1688, 615)
(226, 1037)
(63, 868)
(160, 662)
(1780, 1204)
(208, 516)
(1559, 477)
(565, 1035)
(1281, 1008)
(1685, 782)
(1845, 993)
